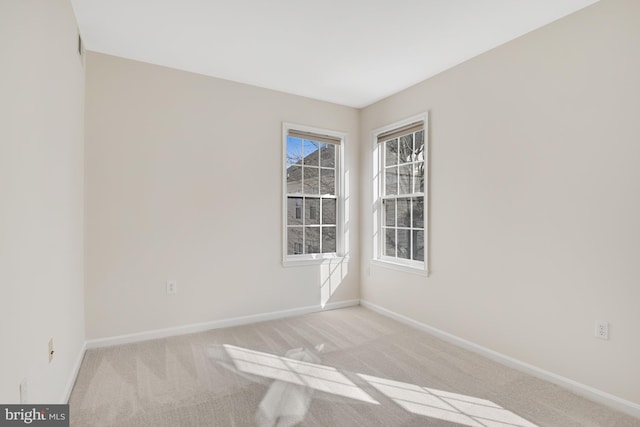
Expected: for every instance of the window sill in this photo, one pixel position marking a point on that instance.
(301, 262)
(406, 268)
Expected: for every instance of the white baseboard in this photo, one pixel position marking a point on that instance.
(589, 392)
(74, 374)
(216, 324)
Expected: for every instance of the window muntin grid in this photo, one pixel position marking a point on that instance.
(402, 197)
(312, 193)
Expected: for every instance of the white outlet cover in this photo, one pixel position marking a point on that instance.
(602, 329)
(172, 287)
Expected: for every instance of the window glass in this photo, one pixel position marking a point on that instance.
(310, 153)
(328, 211)
(327, 181)
(391, 152)
(294, 240)
(312, 211)
(328, 239)
(294, 210)
(312, 240)
(328, 156)
(311, 180)
(402, 167)
(311, 199)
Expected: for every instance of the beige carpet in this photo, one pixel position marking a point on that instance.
(348, 367)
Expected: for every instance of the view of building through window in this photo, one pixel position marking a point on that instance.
(311, 196)
(402, 196)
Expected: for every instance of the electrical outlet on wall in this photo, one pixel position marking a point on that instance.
(602, 329)
(50, 350)
(172, 287)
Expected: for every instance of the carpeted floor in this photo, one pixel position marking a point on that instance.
(347, 367)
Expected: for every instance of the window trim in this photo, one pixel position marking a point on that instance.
(379, 259)
(315, 259)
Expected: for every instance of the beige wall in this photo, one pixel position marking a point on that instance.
(535, 199)
(41, 198)
(184, 182)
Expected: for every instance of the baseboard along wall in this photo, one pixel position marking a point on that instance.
(74, 374)
(189, 329)
(589, 392)
(215, 324)
(583, 390)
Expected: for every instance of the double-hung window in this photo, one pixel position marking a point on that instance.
(400, 169)
(312, 193)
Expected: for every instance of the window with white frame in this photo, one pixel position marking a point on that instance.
(312, 174)
(401, 171)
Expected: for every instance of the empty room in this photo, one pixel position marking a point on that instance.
(320, 213)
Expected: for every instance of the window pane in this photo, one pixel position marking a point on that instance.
(328, 239)
(327, 181)
(390, 242)
(312, 240)
(403, 181)
(404, 249)
(404, 212)
(389, 211)
(311, 211)
(294, 151)
(417, 205)
(406, 148)
(312, 174)
(311, 156)
(294, 211)
(328, 211)
(419, 146)
(406, 172)
(294, 179)
(391, 181)
(294, 241)
(391, 152)
(418, 245)
(311, 184)
(418, 177)
(328, 156)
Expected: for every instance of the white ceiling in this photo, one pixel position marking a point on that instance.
(351, 52)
